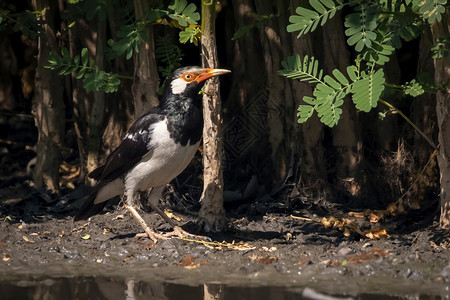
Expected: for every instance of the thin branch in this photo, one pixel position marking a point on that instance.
(409, 121)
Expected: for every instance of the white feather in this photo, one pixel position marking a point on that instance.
(111, 189)
(165, 162)
(178, 86)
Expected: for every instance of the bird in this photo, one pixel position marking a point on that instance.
(157, 147)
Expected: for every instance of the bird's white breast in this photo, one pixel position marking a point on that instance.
(164, 162)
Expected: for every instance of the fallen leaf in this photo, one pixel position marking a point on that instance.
(196, 265)
(376, 233)
(172, 216)
(186, 261)
(358, 215)
(239, 220)
(266, 260)
(80, 228)
(26, 239)
(117, 217)
(301, 218)
(127, 259)
(6, 257)
(374, 254)
(86, 237)
(34, 233)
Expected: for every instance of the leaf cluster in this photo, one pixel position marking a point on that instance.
(179, 14)
(330, 91)
(94, 79)
(27, 22)
(375, 28)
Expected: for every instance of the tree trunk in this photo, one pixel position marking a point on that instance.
(212, 214)
(442, 66)
(279, 103)
(78, 34)
(146, 82)
(97, 111)
(311, 165)
(345, 140)
(48, 105)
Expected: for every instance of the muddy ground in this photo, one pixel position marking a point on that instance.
(265, 245)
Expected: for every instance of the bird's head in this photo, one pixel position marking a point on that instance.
(189, 80)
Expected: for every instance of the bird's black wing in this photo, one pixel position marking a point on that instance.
(130, 151)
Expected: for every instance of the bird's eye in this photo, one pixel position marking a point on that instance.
(188, 77)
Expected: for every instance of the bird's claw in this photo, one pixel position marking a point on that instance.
(177, 232)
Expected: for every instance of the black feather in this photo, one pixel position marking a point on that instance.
(88, 208)
(130, 150)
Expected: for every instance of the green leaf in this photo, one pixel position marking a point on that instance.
(413, 88)
(307, 20)
(86, 236)
(80, 73)
(306, 70)
(331, 82)
(339, 76)
(304, 113)
(184, 14)
(84, 56)
(367, 90)
(317, 6)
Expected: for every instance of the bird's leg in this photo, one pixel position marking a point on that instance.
(153, 201)
(148, 231)
(153, 235)
(177, 230)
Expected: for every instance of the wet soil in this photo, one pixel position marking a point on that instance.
(265, 250)
(265, 246)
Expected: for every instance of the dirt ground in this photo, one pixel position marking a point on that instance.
(264, 245)
(275, 241)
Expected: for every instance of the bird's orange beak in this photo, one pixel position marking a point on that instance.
(208, 73)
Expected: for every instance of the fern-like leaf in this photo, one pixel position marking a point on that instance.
(328, 101)
(306, 70)
(307, 20)
(304, 112)
(413, 88)
(361, 26)
(367, 90)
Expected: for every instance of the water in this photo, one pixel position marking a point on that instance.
(101, 287)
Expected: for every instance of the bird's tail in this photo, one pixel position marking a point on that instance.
(89, 208)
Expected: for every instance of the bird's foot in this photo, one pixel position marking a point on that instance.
(177, 232)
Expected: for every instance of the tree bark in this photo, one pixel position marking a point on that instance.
(146, 82)
(97, 111)
(48, 105)
(311, 165)
(345, 140)
(212, 214)
(279, 103)
(442, 67)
